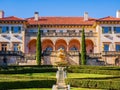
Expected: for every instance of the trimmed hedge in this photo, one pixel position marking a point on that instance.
(27, 69)
(27, 84)
(96, 67)
(94, 70)
(96, 84)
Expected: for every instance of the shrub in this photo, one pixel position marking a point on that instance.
(22, 70)
(94, 70)
(101, 84)
(27, 84)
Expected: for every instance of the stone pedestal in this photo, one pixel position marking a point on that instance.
(60, 85)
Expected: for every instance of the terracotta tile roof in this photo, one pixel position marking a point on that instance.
(109, 18)
(11, 18)
(61, 21)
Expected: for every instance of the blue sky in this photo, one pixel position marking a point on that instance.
(26, 8)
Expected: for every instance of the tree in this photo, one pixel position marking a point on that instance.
(38, 47)
(83, 52)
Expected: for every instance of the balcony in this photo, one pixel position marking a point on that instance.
(111, 53)
(11, 53)
(62, 34)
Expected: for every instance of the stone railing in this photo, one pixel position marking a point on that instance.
(95, 55)
(109, 53)
(61, 34)
(30, 56)
(73, 53)
(11, 53)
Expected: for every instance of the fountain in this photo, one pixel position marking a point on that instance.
(61, 73)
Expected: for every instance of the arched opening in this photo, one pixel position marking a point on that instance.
(74, 45)
(89, 46)
(32, 46)
(47, 45)
(117, 61)
(61, 44)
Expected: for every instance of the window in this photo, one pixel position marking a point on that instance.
(31, 30)
(16, 47)
(61, 31)
(106, 47)
(117, 47)
(91, 31)
(16, 29)
(5, 29)
(4, 47)
(116, 29)
(61, 47)
(73, 48)
(49, 49)
(0, 29)
(106, 30)
(45, 31)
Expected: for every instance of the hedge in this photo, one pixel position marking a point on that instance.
(96, 67)
(95, 70)
(27, 70)
(27, 84)
(96, 84)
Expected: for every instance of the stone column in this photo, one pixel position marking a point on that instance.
(23, 39)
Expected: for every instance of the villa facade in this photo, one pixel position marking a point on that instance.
(102, 34)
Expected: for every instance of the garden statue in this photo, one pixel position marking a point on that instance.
(61, 73)
(61, 55)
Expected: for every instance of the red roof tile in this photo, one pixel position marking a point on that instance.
(11, 18)
(109, 18)
(61, 21)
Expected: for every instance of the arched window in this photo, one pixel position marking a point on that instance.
(49, 49)
(61, 47)
(74, 48)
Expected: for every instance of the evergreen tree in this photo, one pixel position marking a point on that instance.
(38, 47)
(83, 51)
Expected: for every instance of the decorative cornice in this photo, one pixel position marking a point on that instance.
(60, 26)
(12, 22)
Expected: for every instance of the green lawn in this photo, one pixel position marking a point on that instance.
(37, 76)
(51, 89)
(82, 75)
(42, 78)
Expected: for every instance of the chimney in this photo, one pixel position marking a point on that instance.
(1, 14)
(86, 16)
(118, 14)
(36, 16)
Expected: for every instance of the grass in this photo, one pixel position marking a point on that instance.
(82, 75)
(51, 88)
(37, 76)
(41, 75)
(28, 76)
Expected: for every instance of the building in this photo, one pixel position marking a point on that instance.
(102, 35)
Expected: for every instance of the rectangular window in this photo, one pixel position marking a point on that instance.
(45, 31)
(0, 29)
(61, 31)
(16, 29)
(4, 47)
(117, 47)
(106, 47)
(116, 29)
(106, 30)
(16, 47)
(5, 29)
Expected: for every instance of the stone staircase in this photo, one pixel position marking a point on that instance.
(28, 62)
(71, 60)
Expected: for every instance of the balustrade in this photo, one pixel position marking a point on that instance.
(62, 34)
(11, 53)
